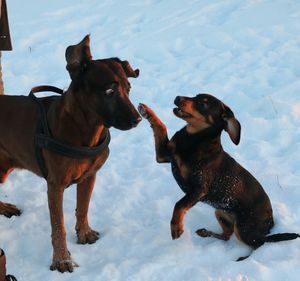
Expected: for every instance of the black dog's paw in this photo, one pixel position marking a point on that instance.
(242, 258)
(9, 210)
(176, 230)
(142, 108)
(203, 232)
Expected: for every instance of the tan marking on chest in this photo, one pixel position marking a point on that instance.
(183, 168)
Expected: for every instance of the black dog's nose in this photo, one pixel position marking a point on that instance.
(178, 100)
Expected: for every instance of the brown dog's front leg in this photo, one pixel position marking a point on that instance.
(160, 134)
(61, 256)
(84, 191)
(181, 207)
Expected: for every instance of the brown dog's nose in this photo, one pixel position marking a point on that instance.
(136, 120)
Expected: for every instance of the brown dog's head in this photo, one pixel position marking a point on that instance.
(102, 86)
(204, 111)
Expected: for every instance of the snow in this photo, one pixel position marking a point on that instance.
(245, 53)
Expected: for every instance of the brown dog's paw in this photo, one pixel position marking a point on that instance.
(176, 230)
(9, 210)
(63, 265)
(88, 236)
(203, 232)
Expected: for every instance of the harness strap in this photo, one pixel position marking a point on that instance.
(10, 278)
(71, 151)
(44, 139)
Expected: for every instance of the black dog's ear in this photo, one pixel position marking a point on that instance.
(128, 69)
(77, 56)
(232, 125)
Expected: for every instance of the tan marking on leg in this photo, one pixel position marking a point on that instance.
(4, 175)
(177, 226)
(226, 221)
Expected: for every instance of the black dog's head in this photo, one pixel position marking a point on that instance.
(204, 111)
(103, 86)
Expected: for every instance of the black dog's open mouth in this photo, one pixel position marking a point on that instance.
(181, 114)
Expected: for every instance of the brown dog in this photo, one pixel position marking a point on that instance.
(206, 173)
(3, 276)
(97, 99)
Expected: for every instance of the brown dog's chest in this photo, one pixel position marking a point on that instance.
(72, 170)
(89, 168)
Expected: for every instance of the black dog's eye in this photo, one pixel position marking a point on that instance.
(203, 105)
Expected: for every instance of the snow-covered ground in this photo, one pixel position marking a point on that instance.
(245, 52)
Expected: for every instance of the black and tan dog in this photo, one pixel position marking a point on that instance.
(97, 98)
(206, 173)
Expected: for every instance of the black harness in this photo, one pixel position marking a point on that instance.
(44, 139)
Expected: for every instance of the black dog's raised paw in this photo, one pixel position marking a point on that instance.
(142, 111)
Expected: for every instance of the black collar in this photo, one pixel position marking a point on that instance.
(44, 139)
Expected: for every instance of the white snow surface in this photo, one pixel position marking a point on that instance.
(245, 52)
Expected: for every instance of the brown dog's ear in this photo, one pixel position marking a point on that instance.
(77, 56)
(128, 69)
(232, 125)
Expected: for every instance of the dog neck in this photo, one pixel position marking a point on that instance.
(206, 141)
(75, 124)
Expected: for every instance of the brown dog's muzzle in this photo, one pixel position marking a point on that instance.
(127, 117)
(135, 120)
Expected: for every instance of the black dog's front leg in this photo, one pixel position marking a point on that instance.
(161, 139)
(181, 207)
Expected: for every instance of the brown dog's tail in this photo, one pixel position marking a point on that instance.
(281, 237)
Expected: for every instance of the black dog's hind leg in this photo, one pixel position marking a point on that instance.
(226, 221)
(160, 134)
(9, 210)
(250, 236)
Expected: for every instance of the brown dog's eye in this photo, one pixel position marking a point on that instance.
(128, 87)
(109, 92)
